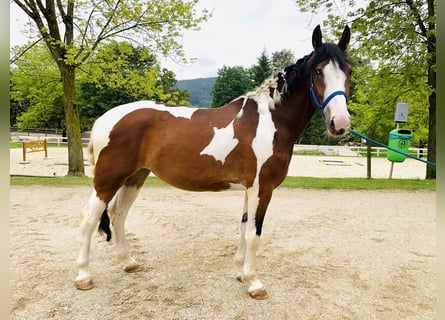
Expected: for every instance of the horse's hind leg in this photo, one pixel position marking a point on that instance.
(256, 203)
(241, 252)
(90, 218)
(118, 211)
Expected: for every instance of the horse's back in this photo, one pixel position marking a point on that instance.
(104, 124)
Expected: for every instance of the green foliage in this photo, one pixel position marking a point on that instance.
(315, 132)
(282, 59)
(262, 70)
(374, 104)
(120, 73)
(199, 90)
(36, 91)
(231, 83)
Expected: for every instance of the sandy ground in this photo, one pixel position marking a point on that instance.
(323, 255)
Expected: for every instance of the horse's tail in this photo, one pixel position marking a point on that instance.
(104, 225)
(91, 151)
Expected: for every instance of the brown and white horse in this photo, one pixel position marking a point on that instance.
(246, 144)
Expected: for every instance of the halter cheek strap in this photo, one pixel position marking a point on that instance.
(323, 105)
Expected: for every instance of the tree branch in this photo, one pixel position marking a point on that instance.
(417, 16)
(100, 36)
(17, 57)
(24, 7)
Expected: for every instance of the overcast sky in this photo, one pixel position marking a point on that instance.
(235, 36)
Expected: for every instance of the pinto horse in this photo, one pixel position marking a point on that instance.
(246, 144)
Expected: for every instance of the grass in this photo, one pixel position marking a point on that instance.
(359, 184)
(289, 182)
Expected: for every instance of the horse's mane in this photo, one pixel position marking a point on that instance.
(329, 51)
(283, 84)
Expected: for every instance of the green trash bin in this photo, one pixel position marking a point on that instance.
(399, 139)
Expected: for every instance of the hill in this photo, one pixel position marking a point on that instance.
(200, 90)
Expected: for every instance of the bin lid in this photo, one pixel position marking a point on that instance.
(393, 136)
(401, 132)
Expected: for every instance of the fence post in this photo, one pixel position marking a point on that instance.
(24, 150)
(368, 162)
(45, 147)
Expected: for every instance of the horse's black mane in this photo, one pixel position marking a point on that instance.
(296, 74)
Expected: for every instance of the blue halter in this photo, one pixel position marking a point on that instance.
(323, 105)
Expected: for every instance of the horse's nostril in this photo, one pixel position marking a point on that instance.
(332, 125)
(334, 130)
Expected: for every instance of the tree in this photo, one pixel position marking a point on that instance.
(230, 83)
(72, 32)
(282, 59)
(120, 73)
(262, 70)
(395, 38)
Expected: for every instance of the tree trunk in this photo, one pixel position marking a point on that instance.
(431, 60)
(75, 151)
(430, 170)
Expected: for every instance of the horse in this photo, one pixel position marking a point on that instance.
(246, 144)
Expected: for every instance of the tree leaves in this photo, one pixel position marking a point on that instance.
(118, 73)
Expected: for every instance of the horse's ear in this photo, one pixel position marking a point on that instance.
(345, 37)
(316, 38)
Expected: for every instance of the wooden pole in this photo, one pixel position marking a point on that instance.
(368, 158)
(45, 147)
(24, 150)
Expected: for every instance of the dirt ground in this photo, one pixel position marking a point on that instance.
(323, 255)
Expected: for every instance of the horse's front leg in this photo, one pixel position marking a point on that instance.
(256, 208)
(89, 220)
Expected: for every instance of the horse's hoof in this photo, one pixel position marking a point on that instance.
(134, 267)
(259, 294)
(239, 277)
(84, 284)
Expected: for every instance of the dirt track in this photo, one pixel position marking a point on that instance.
(323, 255)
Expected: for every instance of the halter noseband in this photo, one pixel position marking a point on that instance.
(323, 105)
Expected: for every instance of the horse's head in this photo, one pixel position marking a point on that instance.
(329, 72)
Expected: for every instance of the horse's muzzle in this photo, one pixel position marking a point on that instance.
(338, 128)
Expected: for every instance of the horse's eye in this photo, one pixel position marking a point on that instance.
(318, 72)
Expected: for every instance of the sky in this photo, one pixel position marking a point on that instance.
(235, 36)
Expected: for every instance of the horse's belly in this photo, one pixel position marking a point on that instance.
(190, 183)
(198, 174)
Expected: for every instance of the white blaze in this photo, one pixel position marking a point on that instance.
(334, 79)
(222, 143)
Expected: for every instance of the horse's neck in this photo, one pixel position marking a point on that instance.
(294, 115)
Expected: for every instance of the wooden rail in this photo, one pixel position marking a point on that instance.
(34, 146)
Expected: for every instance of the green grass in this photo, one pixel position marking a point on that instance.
(359, 184)
(289, 182)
